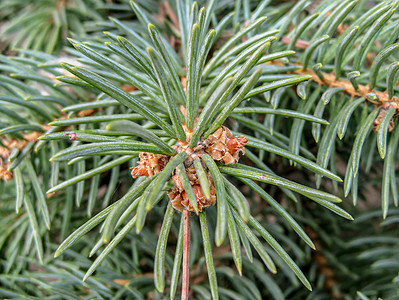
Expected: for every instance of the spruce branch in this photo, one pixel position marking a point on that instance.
(182, 102)
(329, 80)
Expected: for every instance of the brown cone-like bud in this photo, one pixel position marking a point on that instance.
(179, 198)
(150, 164)
(221, 146)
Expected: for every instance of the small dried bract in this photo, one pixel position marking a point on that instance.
(222, 146)
(383, 110)
(5, 174)
(72, 136)
(9, 146)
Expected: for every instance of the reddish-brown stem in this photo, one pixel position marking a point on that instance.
(186, 254)
(330, 80)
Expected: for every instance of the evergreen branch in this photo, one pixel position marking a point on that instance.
(329, 80)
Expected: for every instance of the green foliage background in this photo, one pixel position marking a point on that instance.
(303, 137)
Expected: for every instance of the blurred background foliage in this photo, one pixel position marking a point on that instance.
(353, 259)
